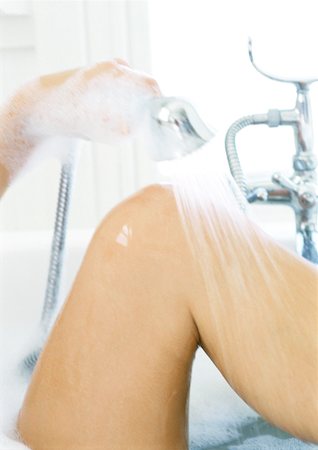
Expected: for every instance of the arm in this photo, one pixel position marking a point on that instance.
(4, 179)
(101, 103)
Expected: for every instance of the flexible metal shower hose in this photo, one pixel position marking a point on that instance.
(231, 152)
(56, 258)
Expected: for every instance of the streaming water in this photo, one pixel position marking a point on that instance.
(260, 311)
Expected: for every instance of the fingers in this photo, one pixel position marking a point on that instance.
(153, 85)
(148, 81)
(143, 79)
(118, 68)
(122, 62)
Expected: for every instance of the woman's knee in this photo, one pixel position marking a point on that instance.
(125, 337)
(143, 240)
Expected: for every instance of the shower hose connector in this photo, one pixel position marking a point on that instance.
(300, 190)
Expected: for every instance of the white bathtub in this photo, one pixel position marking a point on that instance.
(217, 415)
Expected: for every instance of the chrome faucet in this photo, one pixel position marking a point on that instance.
(300, 190)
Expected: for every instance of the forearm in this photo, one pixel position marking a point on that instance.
(102, 103)
(23, 122)
(15, 142)
(4, 179)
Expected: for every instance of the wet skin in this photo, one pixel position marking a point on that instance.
(115, 372)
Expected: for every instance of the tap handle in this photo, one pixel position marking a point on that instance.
(306, 194)
(285, 182)
(300, 84)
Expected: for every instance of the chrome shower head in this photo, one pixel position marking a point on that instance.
(178, 128)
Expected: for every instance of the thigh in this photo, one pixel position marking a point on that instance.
(116, 369)
(259, 323)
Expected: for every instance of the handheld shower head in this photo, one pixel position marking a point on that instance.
(178, 128)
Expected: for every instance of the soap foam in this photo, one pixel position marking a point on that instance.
(105, 108)
(12, 390)
(272, 443)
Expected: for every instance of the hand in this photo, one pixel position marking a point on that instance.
(104, 102)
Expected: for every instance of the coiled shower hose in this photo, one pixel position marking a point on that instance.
(56, 258)
(230, 146)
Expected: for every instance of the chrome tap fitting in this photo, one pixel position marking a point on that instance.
(300, 190)
(178, 127)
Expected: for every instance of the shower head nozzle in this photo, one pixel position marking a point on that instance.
(179, 128)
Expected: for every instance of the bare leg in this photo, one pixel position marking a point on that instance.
(116, 370)
(259, 322)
